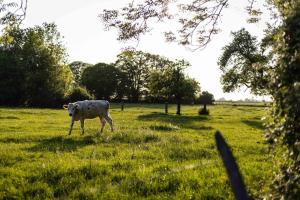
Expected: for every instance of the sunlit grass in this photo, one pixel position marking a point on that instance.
(150, 154)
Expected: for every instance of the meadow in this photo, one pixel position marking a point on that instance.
(150, 155)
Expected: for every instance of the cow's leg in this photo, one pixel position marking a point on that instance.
(102, 121)
(110, 122)
(82, 126)
(71, 126)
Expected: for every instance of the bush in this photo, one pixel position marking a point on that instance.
(203, 111)
(78, 94)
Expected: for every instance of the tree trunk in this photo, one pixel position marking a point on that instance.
(135, 97)
(166, 107)
(178, 107)
(122, 105)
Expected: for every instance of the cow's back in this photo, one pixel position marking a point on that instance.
(93, 108)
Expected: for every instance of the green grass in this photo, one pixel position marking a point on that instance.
(150, 155)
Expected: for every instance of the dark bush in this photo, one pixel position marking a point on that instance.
(78, 94)
(203, 111)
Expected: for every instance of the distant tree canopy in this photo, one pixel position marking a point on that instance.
(101, 80)
(172, 83)
(32, 66)
(206, 98)
(135, 67)
(77, 67)
(136, 75)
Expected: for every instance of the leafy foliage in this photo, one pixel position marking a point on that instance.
(78, 94)
(101, 80)
(206, 98)
(243, 64)
(34, 67)
(135, 67)
(171, 83)
(197, 27)
(284, 126)
(77, 67)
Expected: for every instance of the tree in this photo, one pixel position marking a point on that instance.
(10, 92)
(171, 82)
(205, 98)
(284, 123)
(242, 64)
(34, 68)
(101, 80)
(77, 67)
(48, 77)
(135, 67)
(283, 41)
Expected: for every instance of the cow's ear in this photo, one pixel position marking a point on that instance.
(65, 106)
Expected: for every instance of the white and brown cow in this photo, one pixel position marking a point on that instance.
(89, 109)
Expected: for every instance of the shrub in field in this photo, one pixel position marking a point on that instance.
(78, 94)
(205, 98)
(203, 111)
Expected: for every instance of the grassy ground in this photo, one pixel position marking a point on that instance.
(150, 154)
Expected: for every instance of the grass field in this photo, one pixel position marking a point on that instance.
(150, 154)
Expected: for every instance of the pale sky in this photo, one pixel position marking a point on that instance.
(86, 40)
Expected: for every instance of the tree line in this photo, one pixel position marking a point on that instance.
(137, 75)
(34, 72)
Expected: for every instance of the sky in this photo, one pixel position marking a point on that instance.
(86, 40)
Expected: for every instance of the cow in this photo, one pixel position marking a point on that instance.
(89, 109)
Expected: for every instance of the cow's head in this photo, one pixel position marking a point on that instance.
(72, 108)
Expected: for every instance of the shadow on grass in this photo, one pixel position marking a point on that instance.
(176, 121)
(62, 144)
(9, 117)
(167, 127)
(206, 128)
(254, 124)
(171, 118)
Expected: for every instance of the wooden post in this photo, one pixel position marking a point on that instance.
(166, 107)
